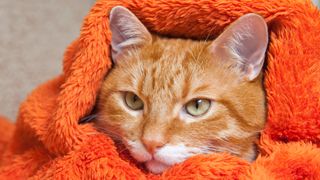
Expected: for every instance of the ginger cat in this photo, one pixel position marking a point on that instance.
(168, 99)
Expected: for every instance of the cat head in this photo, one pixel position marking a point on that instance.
(169, 99)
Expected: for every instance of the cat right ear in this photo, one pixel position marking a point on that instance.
(127, 31)
(245, 43)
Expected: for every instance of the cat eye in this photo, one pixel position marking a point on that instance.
(198, 107)
(133, 101)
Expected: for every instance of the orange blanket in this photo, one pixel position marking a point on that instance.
(48, 143)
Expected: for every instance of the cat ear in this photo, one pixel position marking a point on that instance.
(127, 31)
(244, 41)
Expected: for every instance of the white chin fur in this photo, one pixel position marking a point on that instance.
(164, 157)
(173, 154)
(156, 167)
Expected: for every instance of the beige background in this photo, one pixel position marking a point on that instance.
(33, 36)
(317, 2)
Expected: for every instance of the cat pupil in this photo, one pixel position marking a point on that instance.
(135, 98)
(198, 103)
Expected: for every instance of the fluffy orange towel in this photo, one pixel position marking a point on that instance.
(48, 142)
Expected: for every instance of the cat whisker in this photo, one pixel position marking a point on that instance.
(105, 118)
(122, 150)
(210, 150)
(110, 132)
(116, 137)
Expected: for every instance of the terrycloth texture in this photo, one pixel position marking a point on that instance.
(6, 129)
(48, 142)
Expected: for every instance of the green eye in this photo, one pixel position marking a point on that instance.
(198, 107)
(133, 101)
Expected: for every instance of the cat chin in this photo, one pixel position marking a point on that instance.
(164, 157)
(156, 167)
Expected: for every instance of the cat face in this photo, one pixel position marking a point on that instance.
(170, 99)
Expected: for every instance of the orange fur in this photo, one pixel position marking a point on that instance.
(48, 142)
(168, 73)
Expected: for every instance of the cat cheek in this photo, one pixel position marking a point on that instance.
(138, 151)
(233, 129)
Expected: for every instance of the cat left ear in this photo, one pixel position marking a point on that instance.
(245, 41)
(127, 31)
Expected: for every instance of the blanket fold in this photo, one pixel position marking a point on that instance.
(47, 142)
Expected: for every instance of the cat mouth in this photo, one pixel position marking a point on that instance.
(155, 166)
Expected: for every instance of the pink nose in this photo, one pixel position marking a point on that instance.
(152, 144)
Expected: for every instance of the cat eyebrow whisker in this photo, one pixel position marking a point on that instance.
(191, 53)
(135, 51)
(205, 41)
(209, 34)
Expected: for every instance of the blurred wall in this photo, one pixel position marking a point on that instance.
(33, 37)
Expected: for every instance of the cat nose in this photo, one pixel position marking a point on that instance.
(152, 144)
